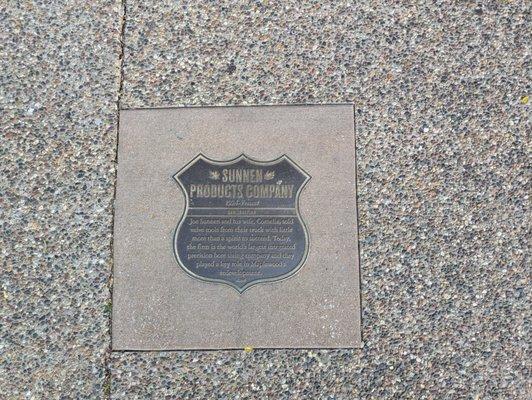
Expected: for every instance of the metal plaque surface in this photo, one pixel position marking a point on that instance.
(241, 225)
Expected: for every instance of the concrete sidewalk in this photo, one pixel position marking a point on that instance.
(442, 118)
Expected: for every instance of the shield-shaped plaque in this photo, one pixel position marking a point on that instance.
(241, 225)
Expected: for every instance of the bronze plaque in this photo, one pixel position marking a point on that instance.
(241, 225)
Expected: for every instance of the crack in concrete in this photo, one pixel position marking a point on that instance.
(107, 387)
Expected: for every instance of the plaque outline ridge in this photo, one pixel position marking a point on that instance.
(242, 289)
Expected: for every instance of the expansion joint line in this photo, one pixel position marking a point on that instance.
(121, 39)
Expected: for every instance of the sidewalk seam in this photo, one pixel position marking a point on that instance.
(122, 13)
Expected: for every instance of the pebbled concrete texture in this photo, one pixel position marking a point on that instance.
(59, 79)
(442, 120)
(443, 193)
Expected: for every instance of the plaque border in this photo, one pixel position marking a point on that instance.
(279, 278)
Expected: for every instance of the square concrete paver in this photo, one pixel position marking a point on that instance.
(236, 226)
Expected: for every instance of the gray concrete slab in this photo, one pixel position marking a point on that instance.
(59, 78)
(159, 306)
(441, 133)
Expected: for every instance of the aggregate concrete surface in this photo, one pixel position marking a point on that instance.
(441, 95)
(59, 80)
